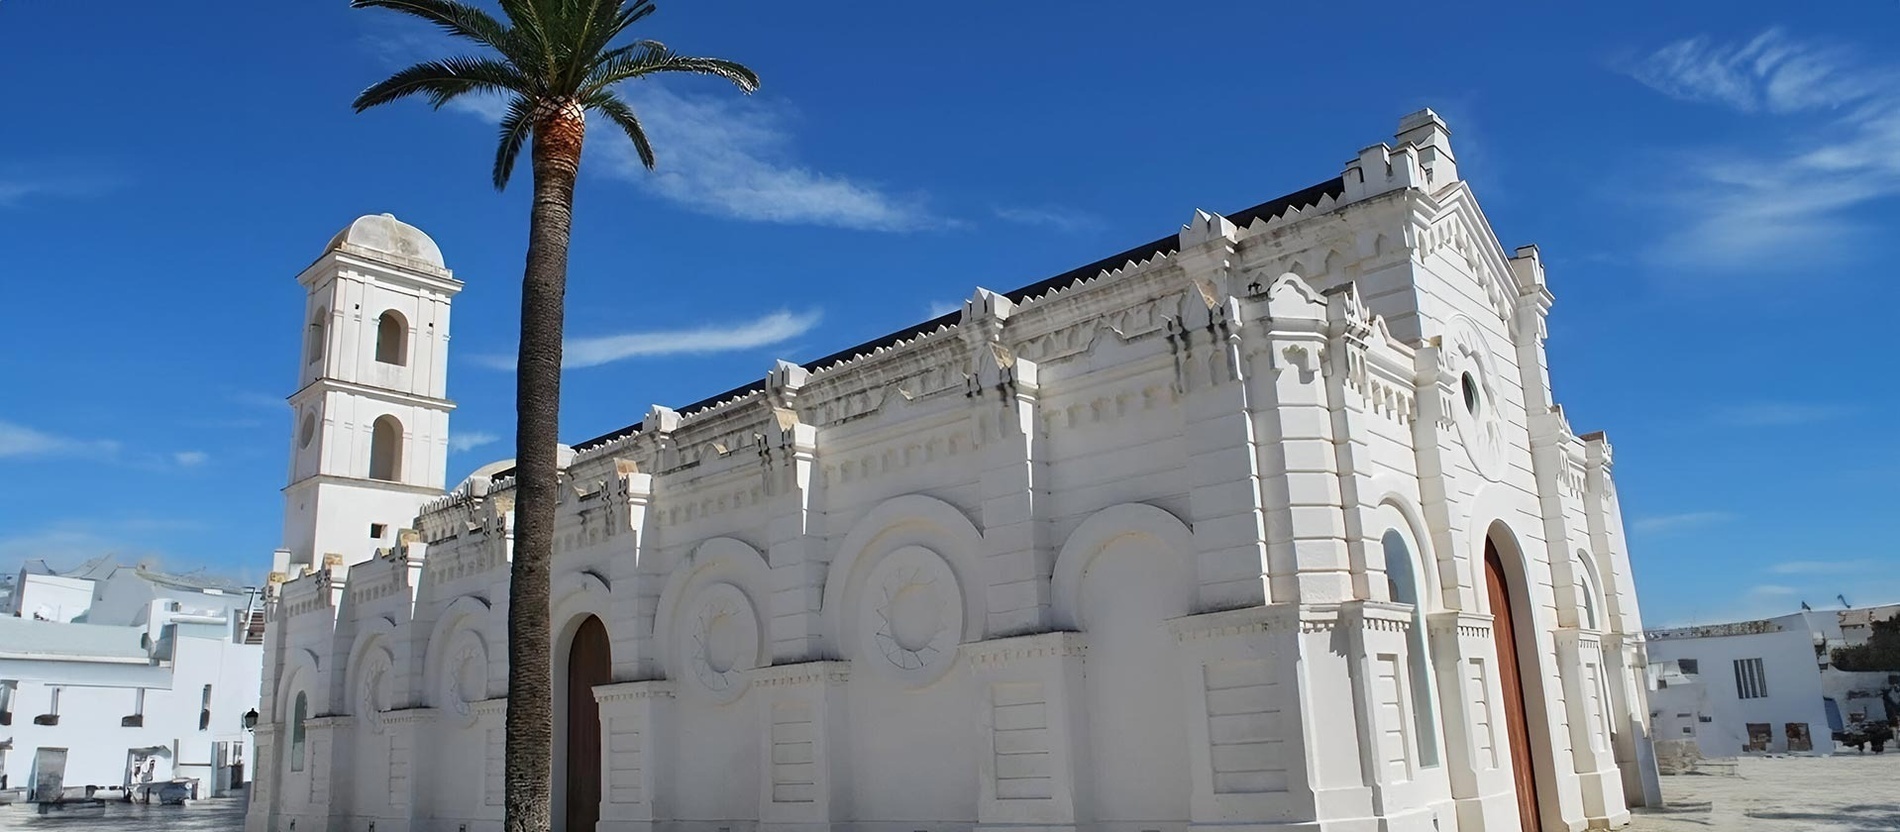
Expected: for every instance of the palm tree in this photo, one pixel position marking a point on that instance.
(554, 60)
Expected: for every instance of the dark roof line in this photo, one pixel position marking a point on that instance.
(1166, 245)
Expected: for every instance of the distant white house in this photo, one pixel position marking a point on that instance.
(1762, 686)
(110, 666)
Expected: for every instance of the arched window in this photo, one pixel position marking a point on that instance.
(1403, 581)
(313, 346)
(297, 716)
(385, 449)
(392, 339)
(1586, 592)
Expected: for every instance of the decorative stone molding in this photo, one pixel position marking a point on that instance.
(802, 673)
(1002, 651)
(1260, 619)
(413, 716)
(910, 615)
(633, 691)
(1458, 623)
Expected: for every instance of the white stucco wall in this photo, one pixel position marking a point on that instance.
(1106, 553)
(1785, 647)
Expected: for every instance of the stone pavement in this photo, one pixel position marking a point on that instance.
(1849, 792)
(222, 815)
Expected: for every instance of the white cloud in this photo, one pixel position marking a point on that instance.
(1779, 414)
(470, 440)
(22, 183)
(728, 155)
(191, 459)
(1781, 197)
(1824, 567)
(605, 349)
(1059, 219)
(1680, 522)
(940, 308)
(22, 441)
(1772, 73)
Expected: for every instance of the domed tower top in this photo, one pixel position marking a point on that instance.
(383, 234)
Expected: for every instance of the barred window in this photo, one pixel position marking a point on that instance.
(1750, 681)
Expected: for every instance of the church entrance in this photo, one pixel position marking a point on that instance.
(589, 663)
(1510, 678)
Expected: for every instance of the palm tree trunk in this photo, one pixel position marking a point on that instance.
(529, 756)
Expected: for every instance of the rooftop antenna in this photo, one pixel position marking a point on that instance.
(1843, 600)
(1805, 607)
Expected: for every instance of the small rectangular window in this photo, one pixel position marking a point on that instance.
(376, 530)
(1750, 681)
(204, 710)
(1689, 666)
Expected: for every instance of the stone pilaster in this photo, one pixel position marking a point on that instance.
(1004, 395)
(1029, 768)
(1581, 668)
(267, 770)
(795, 545)
(1311, 560)
(636, 736)
(1248, 704)
(805, 779)
(1464, 659)
(407, 731)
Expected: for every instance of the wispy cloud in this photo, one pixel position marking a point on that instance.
(21, 441)
(594, 351)
(1823, 567)
(1742, 205)
(1680, 522)
(940, 308)
(470, 440)
(1060, 219)
(732, 156)
(1772, 73)
(1780, 414)
(190, 459)
(21, 184)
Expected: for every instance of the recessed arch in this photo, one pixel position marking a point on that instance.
(1101, 530)
(715, 559)
(1410, 581)
(385, 449)
(1516, 628)
(912, 519)
(317, 336)
(1589, 593)
(392, 338)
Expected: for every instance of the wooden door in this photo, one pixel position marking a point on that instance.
(1516, 718)
(589, 663)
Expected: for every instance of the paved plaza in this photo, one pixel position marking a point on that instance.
(223, 815)
(1847, 792)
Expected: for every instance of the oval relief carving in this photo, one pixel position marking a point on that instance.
(720, 640)
(911, 616)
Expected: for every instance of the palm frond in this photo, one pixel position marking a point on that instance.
(617, 111)
(457, 19)
(650, 57)
(441, 81)
(516, 127)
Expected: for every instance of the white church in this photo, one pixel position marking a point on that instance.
(1271, 523)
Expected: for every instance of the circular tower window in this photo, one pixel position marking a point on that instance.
(308, 431)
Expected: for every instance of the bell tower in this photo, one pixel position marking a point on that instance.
(369, 430)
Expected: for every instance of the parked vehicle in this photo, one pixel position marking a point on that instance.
(1859, 735)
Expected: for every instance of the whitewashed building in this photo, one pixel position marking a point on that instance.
(112, 665)
(1270, 523)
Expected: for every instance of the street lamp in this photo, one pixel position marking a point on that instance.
(250, 719)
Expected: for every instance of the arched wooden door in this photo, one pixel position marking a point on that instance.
(1516, 718)
(589, 663)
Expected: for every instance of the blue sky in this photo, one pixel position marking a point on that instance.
(1709, 190)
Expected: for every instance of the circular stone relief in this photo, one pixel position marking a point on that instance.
(911, 619)
(720, 640)
(464, 678)
(372, 697)
(1478, 421)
